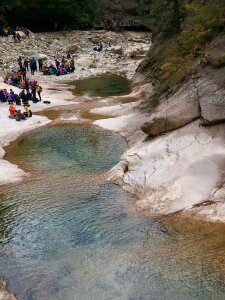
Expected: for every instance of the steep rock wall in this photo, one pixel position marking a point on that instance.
(178, 164)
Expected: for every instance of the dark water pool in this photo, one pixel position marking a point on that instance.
(67, 234)
(102, 86)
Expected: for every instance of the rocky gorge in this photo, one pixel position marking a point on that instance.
(175, 159)
(176, 155)
(175, 162)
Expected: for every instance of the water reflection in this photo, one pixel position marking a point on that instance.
(102, 86)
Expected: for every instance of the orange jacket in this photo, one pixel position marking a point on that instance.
(12, 110)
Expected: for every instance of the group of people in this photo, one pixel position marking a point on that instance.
(18, 114)
(25, 64)
(66, 66)
(30, 90)
(13, 98)
(15, 32)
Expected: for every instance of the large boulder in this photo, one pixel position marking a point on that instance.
(72, 48)
(116, 50)
(211, 96)
(36, 55)
(179, 110)
(85, 61)
(217, 60)
(22, 34)
(94, 39)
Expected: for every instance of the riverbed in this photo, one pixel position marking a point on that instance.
(66, 233)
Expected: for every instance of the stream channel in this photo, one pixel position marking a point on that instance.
(65, 233)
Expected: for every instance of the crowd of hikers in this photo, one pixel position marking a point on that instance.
(30, 91)
(15, 99)
(16, 32)
(63, 67)
(18, 114)
(28, 94)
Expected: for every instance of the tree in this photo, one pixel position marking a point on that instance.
(176, 14)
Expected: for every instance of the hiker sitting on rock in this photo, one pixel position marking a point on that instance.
(20, 115)
(12, 111)
(11, 97)
(39, 90)
(28, 113)
(20, 62)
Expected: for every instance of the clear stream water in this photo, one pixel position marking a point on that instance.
(102, 86)
(67, 234)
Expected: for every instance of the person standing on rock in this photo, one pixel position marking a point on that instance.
(20, 63)
(19, 75)
(33, 65)
(23, 96)
(72, 65)
(26, 64)
(24, 73)
(14, 34)
(27, 33)
(40, 64)
(39, 90)
(27, 85)
(18, 37)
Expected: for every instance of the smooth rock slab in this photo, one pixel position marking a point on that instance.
(176, 171)
(85, 61)
(177, 111)
(36, 55)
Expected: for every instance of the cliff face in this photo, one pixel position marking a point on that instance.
(176, 157)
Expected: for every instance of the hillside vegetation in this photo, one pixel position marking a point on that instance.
(174, 56)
